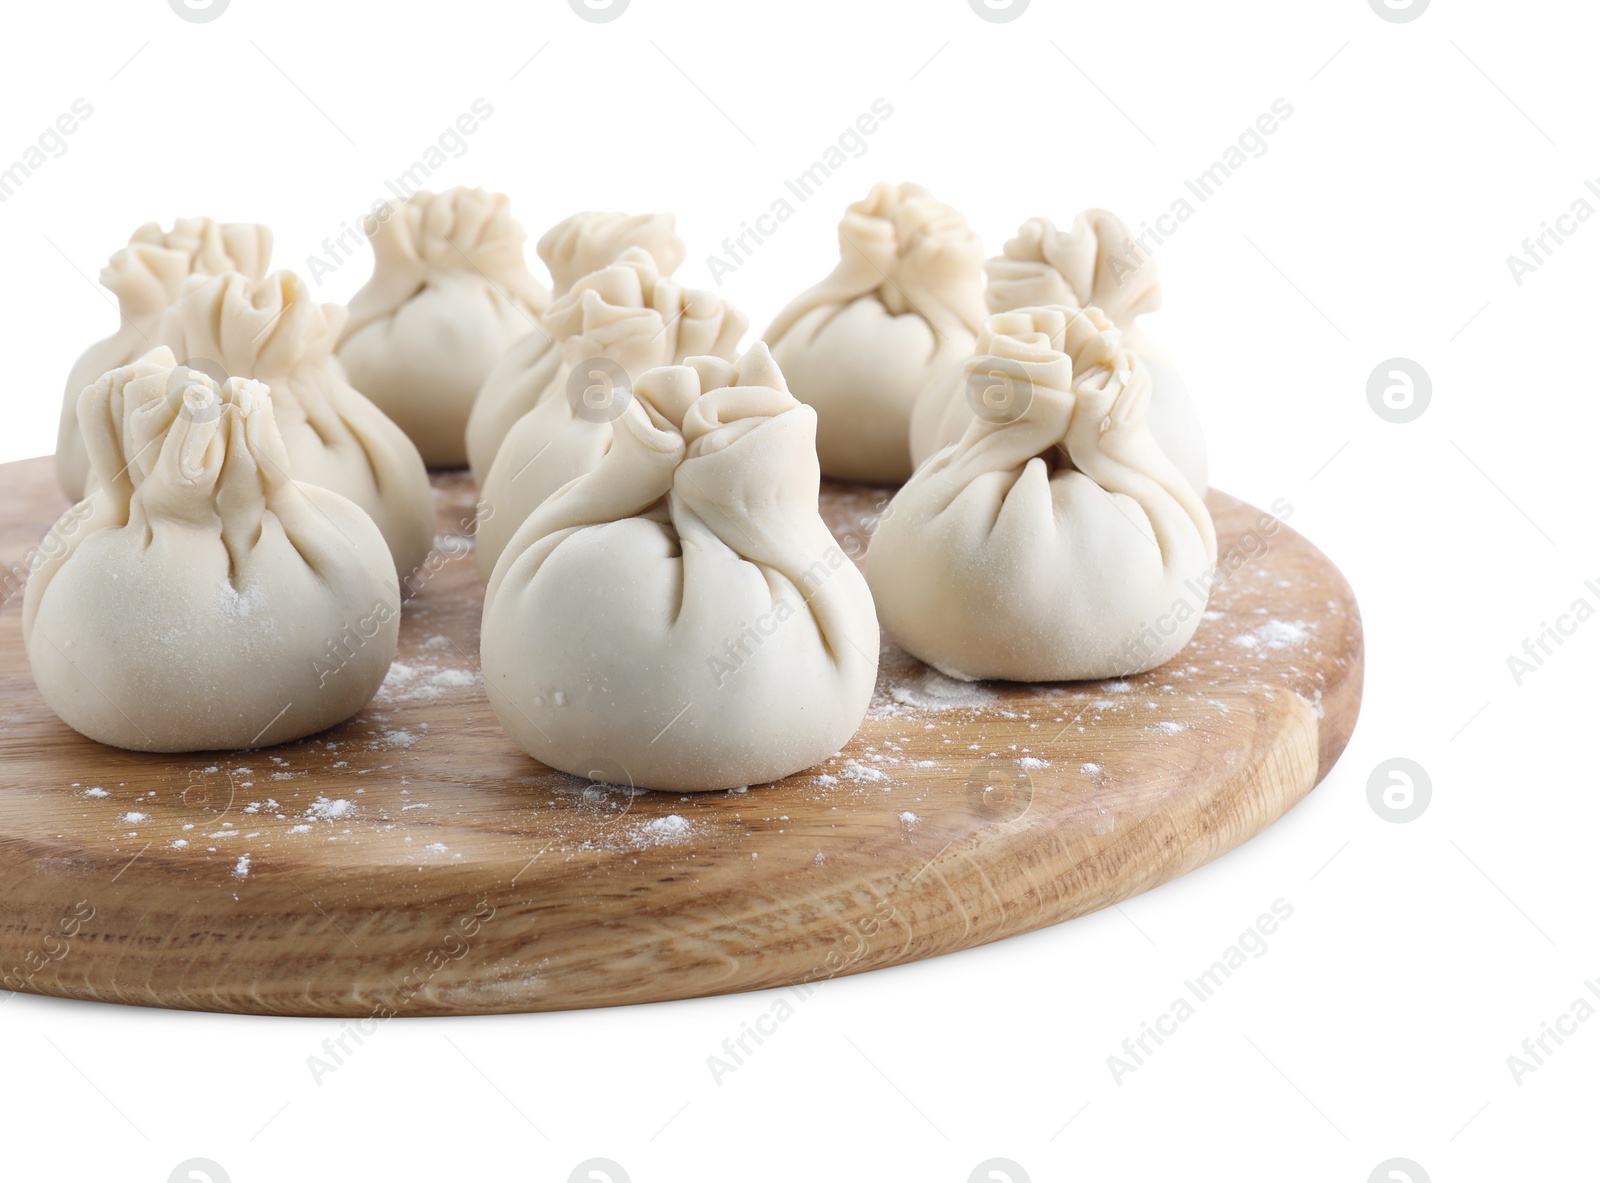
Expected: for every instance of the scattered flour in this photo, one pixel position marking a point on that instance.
(424, 683)
(242, 867)
(856, 770)
(238, 603)
(1275, 634)
(909, 819)
(97, 791)
(1032, 762)
(932, 691)
(662, 831)
(135, 818)
(325, 810)
(1167, 727)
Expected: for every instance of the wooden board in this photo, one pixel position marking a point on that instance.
(413, 861)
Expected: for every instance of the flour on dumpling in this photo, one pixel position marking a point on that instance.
(571, 249)
(904, 305)
(145, 277)
(201, 598)
(450, 292)
(1098, 264)
(273, 331)
(679, 614)
(1055, 539)
(615, 324)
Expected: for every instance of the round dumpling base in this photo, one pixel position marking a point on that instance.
(476, 881)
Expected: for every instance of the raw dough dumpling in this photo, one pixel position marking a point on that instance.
(904, 305)
(680, 617)
(450, 291)
(273, 331)
(611, 327)
(200, 598)
(1092, 264)
(578, 246)
(145, 277)
(1055, 540)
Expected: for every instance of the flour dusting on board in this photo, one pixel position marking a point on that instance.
(665, 830)
(925, 690)
(926, 736)
(421, 681)
(856, 770)
(1275, 634)
(324, 810)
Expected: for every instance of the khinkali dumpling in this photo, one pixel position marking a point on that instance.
(273, 331)
(1056, 539)
(450, 291)
(680, 616)
(205, 599)
(145, 277)
(904, 305)
(1095, 263)
(571, 249)
(611, 327)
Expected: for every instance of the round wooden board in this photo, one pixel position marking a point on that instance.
(413, 861)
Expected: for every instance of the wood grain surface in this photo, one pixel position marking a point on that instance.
(414, 862)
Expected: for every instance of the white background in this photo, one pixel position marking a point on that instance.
(1377, 224)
